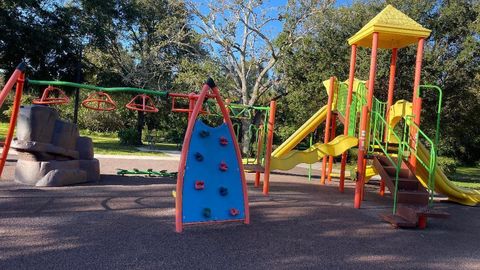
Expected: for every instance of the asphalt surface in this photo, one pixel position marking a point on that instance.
(128, 223)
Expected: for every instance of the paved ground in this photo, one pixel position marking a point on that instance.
(127, 222)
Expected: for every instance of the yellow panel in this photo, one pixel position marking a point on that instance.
(308, 127)
(394, 28)
(313, 154)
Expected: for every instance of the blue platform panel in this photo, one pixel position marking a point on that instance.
(222, 189)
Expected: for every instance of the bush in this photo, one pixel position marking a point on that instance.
(129, 136)
(449, 165)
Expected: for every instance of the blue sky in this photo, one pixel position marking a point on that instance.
(273, 28)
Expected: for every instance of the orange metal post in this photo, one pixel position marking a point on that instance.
(351, 78)
(9, 85)
(13, 121)
(417, 102)
(259, 156)
(268, 153)
(391, 85)
(382, 187)
(361, 159)
(364, 123)
(332, 135)
(191, 104)
(257, 180)
(327, 126)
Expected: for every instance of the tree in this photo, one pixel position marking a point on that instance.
(144, 40)
(41, 33)
(451, 60)
(239, 34)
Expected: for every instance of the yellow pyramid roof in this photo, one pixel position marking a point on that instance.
(395, 30)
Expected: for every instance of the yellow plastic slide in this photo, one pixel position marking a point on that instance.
(308, 127)
(444, 186)
(313, 154)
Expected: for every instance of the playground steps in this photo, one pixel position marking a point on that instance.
(412, 197)
(391, 149)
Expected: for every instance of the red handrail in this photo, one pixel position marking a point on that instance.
(99, 101)
(145, 104)
(46, 98)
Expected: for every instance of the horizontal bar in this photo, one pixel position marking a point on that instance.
(98, 88)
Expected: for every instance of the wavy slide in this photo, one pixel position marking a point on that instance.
(444, 186)
(308, 127)
(313, 154)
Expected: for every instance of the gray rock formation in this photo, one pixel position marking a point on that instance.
(51, 151)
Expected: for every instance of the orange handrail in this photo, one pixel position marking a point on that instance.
(146, 104)
(103, 102)
(47, 100)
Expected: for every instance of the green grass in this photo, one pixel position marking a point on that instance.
(109, 144)
(468, 177)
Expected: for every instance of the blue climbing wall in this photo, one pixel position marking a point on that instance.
(221, 197)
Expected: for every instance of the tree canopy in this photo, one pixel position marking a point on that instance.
(174, 45)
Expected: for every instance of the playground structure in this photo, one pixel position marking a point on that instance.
(388, 134)
(211, 184)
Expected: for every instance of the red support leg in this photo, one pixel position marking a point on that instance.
(351, 79)
(332, 135)
(327, 127)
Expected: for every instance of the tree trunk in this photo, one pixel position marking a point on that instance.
(246, 136)
(140, 121)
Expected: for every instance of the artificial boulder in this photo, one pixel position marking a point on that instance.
(51, 151)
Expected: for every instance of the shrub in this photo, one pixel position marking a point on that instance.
(449, 165)
(129, 136)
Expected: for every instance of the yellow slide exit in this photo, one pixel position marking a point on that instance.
(443, 185)
(308, 127)
(313, 154)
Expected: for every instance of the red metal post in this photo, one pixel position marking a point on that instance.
(417, 103)
(364, 137)
(332, 135)
(9, 85)
(13, 121)
(268, 153)
(361, 159)
(391, 86)
(327, 126)
(351, 79)
(259, 156)
(191, 104)
(382, 187)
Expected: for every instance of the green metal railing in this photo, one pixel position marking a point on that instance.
(413, 149)
(256, 133)
(377, 128)
(99, 88)
(378, 140)
(358, 100)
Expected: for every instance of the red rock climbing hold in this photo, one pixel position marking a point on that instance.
(199, 185)
(223, 141)
(223, 166)
(234, 212)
